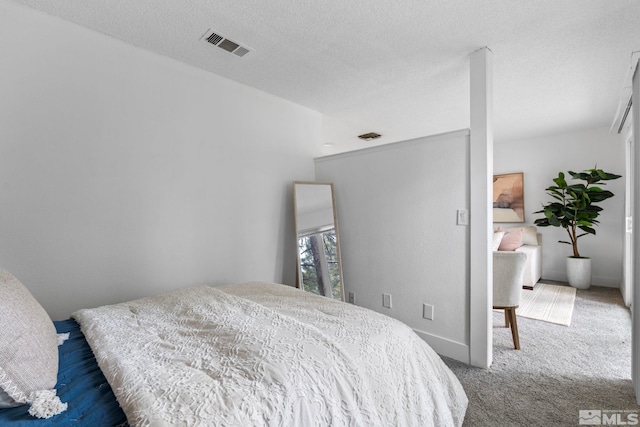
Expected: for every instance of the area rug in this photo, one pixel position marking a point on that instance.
(549, 303)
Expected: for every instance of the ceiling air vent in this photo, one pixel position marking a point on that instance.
(369, 136)
(223, 42)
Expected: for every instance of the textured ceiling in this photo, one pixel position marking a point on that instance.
(397, 68)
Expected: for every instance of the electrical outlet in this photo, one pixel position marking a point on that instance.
(352, 297)
(386, 300)
(427, 311)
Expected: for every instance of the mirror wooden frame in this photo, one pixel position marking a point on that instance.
(296, 198)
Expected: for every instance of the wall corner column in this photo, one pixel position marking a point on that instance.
(635, 237)
(481, 223)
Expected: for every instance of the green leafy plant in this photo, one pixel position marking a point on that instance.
(575, 207)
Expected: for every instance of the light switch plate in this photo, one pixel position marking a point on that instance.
(462, 217)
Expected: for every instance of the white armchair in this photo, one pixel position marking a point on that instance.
(508, 276)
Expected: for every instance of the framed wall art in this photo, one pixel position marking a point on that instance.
(508, 197)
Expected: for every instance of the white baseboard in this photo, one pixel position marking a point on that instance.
(446, 347)
(607, 282)
(604, 281)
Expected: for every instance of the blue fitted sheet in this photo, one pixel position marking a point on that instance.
(81, 384)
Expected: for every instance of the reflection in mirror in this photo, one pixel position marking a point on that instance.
(319, 266)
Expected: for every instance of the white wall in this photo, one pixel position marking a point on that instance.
(541, 159)
(124, 173)
(396, 206)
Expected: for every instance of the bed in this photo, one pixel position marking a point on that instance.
(252, 354)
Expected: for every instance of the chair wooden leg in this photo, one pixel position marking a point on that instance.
(514, 327)
(506, 318)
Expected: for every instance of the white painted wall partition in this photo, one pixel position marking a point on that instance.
(393, 242)
(397, 206)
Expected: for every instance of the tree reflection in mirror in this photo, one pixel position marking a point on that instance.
(319, 263)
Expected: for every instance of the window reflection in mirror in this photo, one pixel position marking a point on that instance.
(319, 266)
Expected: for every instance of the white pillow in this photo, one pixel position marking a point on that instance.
(497, 238)
(28, 347)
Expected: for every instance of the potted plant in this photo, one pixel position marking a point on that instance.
(575, 209)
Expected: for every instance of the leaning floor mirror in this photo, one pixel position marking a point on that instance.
(318, 242)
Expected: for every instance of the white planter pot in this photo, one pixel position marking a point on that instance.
(579, 272)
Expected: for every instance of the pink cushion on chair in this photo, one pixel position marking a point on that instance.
(511, 240)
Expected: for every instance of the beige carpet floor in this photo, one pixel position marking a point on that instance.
(559, 371)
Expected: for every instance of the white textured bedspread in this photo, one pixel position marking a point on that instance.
(262, 354)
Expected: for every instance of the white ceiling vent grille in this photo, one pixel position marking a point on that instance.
(223, 42)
